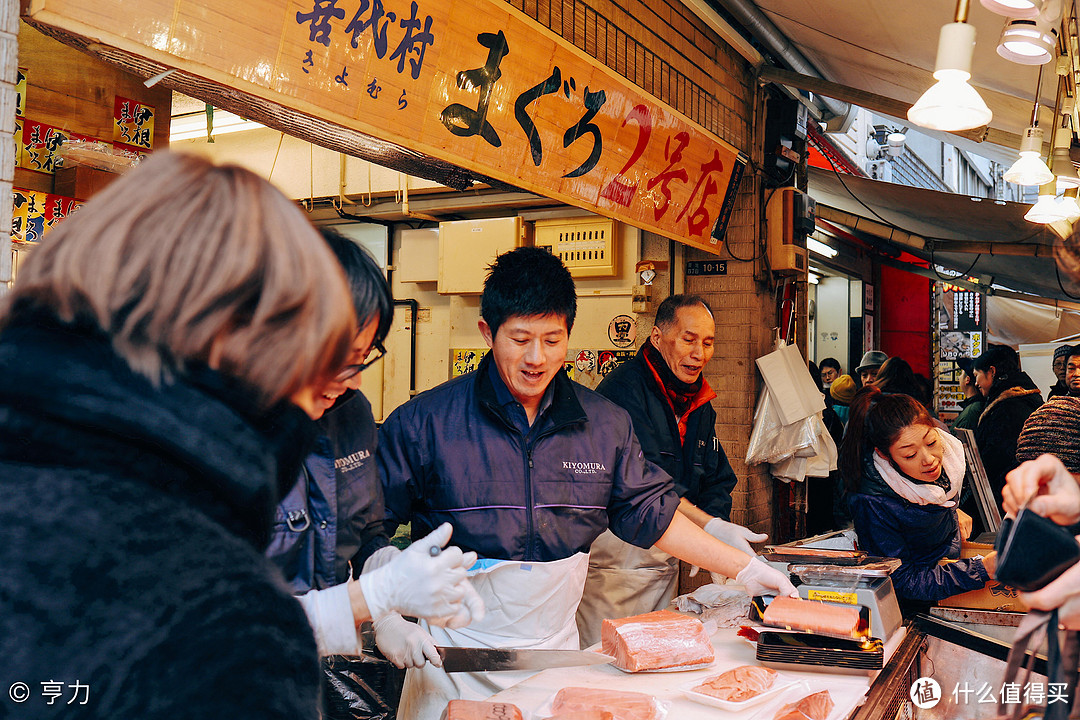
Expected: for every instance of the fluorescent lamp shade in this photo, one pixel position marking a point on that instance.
(1029, 169)
(1014, 8)
(1064, 169)
(820, 248)
(193, 126)
(951, 104)
(1046, 209)
(1028, 42)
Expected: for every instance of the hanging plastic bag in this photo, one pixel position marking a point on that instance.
(824, 461)
(767, 426)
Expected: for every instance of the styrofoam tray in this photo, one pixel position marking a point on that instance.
(782, 683)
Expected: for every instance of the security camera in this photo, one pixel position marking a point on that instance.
(896, 144)
(873, 150)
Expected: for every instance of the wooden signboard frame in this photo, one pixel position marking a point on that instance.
(474, 83)
(984, 495)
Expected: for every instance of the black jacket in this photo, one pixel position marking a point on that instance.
(333, 515)
(699, 466)
(1007, 408)
(131, 530)
(452, 454)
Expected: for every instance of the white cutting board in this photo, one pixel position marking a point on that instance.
(533, 694)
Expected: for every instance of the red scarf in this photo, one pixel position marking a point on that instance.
(683, 398)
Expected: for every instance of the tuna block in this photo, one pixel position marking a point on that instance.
(656, 641)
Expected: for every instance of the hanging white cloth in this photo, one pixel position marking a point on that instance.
(528, 605)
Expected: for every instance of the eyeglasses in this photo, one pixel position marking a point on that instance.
(350, 371)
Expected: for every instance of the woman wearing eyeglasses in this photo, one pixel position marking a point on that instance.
(331, 521)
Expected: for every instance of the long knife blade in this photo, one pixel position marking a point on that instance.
(460, 659)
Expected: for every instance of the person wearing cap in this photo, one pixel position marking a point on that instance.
(1011, 396)
(1061, 359)
(1052, 428)
(871, 362)
(974, 403)
(842, 392)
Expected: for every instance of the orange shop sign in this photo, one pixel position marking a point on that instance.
(472, 82)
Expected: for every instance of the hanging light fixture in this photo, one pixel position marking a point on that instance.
(1029, 169)
(1028, 42)
(1064, 169)
(1046, 210)
(951, 104)
(1070, 209)
(1014, 8)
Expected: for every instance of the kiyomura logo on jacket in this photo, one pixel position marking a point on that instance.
(351, 462)
(583, 468)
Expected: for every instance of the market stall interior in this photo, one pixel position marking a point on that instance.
(831, 183)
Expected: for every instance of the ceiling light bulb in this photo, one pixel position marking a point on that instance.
(952, 104)
(1014, 8)
(1046, 210)
(1064, 169)
(1029, 169)
(1028, 42)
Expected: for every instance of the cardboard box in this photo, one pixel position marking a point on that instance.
(80, 182)
(993, 596)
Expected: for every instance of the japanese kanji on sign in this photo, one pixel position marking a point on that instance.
(472, 82)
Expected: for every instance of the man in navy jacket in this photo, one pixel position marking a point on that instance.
(668, 398)
(530, 468)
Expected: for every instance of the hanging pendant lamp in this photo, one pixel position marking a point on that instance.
(1029, 168)
(951, 104)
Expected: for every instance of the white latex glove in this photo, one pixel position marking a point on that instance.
(379, 558)
(472, 610)
(418, 584)
(734, 535)
(759, 578)
(405, 644)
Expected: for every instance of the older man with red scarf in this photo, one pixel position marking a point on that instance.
(663, 389)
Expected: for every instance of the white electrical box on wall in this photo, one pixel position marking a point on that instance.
(788, 214)
(467, 247)
(418, 255)
(586, 245)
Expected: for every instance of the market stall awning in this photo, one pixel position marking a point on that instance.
(982, 238)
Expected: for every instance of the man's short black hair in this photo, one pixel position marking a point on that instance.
(830, 363)
(665, 314)
(367, 285)
(527, 282)
(1073, 353)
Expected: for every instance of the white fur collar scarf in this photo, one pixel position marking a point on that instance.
(953, 464)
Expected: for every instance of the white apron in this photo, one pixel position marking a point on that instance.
(529, 605)
(623, 580)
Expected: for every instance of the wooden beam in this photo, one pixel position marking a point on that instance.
(874, 102)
